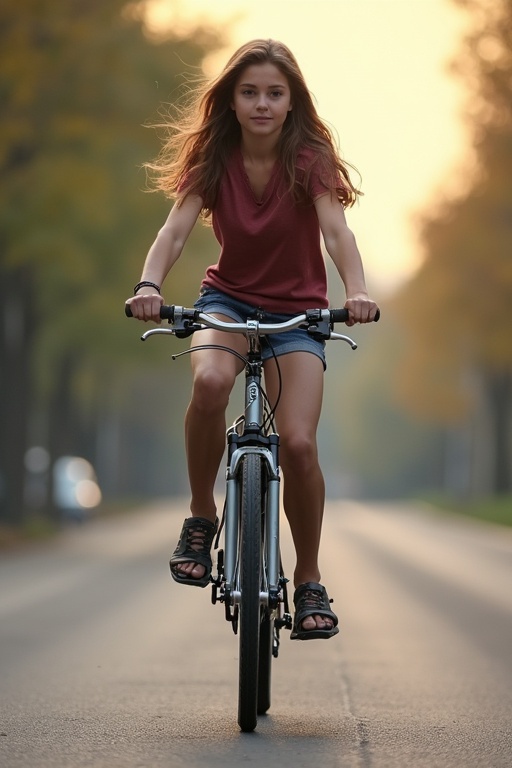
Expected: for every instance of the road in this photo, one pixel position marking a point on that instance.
(106, 663)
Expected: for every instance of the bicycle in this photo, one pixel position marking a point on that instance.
(250, 579)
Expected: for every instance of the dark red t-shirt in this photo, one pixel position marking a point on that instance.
(270, 255)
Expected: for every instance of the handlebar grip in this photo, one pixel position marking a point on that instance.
(342, 315)
(339, 315)
(166, 312)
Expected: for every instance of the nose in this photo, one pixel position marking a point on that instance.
(262, 103)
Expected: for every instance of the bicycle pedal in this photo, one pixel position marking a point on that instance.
(285, 622)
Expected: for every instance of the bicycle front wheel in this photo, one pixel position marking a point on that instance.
(250, 580)
(265, 662)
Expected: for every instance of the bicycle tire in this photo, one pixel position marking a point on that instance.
(266, 645)
(250, 580)
(265, 663)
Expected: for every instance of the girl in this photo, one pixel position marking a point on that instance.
(252, 153)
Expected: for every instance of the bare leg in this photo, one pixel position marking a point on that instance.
(214, 374)
(297, 419)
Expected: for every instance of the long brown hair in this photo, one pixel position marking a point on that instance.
(198, 143)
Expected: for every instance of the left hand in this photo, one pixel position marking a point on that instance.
(361, 309)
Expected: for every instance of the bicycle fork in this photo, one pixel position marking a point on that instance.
(226, 587)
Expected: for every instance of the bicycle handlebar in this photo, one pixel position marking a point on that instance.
(172, 312)
(318, 323)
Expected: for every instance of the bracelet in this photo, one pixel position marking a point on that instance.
(145, 284)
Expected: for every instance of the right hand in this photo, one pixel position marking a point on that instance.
(146, 305)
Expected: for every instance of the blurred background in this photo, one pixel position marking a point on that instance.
(419, 93)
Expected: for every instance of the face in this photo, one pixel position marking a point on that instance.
(261, 100)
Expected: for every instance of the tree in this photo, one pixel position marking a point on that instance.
(457, 306)
(78, 82)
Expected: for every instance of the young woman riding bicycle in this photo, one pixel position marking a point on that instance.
(252, 153)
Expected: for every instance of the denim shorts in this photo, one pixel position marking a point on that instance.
(213, 301)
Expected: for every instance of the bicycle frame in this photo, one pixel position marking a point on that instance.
(250, 580)
(266, 447)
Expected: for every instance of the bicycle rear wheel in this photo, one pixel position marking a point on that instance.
(250, 580)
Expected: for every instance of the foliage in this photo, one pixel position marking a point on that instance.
(457, 306)
(79, 83)
(491, 510)
(375, 448)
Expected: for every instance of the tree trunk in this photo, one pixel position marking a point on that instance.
(16, 341)
(65, 434)
(499, 393)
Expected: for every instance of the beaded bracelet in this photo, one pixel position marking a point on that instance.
(145, 284)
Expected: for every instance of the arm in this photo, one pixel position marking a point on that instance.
(162, 255)
(342, 248)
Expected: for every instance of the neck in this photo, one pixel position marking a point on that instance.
(259, 150)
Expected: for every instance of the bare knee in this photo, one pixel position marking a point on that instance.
(298, 453)
(211, 389)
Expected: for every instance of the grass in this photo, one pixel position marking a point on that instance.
(33, 529)
(38, 528)
(492, 509)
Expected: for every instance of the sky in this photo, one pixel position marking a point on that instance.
(378, 70)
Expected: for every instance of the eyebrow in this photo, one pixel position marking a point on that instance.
(252, 85)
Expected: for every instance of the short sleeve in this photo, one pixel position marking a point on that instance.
(316, 177)
(189, 183)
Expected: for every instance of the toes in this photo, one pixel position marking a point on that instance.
(317, 622)
(309, 623)
(194, 570)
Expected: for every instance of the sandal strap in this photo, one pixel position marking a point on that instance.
(311, 599)
(195, 541)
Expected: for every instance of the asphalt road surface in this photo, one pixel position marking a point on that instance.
(105, 662)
